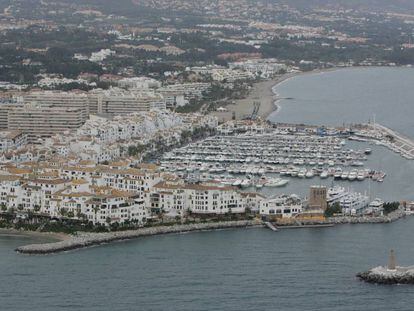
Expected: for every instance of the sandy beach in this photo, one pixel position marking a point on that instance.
(56, 236)
(261, 92)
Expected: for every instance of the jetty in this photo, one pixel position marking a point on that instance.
(270, 226)
(382, 135)
(391, 274)
(82, 240)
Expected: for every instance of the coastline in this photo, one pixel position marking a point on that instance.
(57, 236)
(84, 239)
(263, 92)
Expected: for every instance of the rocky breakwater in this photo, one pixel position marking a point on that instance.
(391, 274)
(81, 240)
(393, 216)
(383, 275)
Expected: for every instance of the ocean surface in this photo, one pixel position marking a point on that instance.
(240, 269)
(347, 96)
(246, 269)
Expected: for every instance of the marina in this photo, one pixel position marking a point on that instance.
(267, 159)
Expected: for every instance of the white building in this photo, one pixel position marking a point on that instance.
(284, 206)
(12, 140)
(178, 198)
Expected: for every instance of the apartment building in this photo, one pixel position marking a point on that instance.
(39, 122)
(60, 99)
(190, 90)
(120, 102)
(179, 198)
(4, 113)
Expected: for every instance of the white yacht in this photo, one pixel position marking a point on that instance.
(276, 182)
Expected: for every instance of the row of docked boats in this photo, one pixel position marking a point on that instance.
(241, 182)
(273, 149)
(352, 202)
(288, 171)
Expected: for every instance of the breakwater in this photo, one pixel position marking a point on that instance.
(393, 216)
(302, 223)
(82, 240)
(383, 275)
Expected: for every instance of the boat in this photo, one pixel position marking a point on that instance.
(276, 182)
(309, 174)
(338, 173)
(301, 173)
(352, 175)
(245, 183)
(237, 183)
(324, 174)
(361, 176)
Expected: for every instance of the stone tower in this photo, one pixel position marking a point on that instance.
(392, 261)
(317, 197)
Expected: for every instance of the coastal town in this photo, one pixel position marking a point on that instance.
(94, 161)
(206, 155)
(96, 141)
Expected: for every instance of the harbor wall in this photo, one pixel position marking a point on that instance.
(82, 240)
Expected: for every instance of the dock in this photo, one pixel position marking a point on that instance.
(270, 226)
(391, 139)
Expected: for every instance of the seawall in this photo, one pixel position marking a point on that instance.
(82, 240)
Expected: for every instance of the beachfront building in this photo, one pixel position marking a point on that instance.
(230, 75)
(179, 198)
(264, 68)
(284, 206)
(190, 90)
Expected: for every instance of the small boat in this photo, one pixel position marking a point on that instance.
(324, 175)
(353, 175)
(245, 183)
(309, 174)
(301, 173)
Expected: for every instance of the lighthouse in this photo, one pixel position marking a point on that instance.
(392, 261)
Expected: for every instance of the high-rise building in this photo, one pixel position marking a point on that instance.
(60, 99)
(38, 121)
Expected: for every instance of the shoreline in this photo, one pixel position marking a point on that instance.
(58, 236)
(85, 240)
(263, 92)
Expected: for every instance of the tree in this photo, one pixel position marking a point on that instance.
(333, 209)
(390, 207)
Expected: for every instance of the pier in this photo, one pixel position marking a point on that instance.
(270, 226)
(389, 138)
